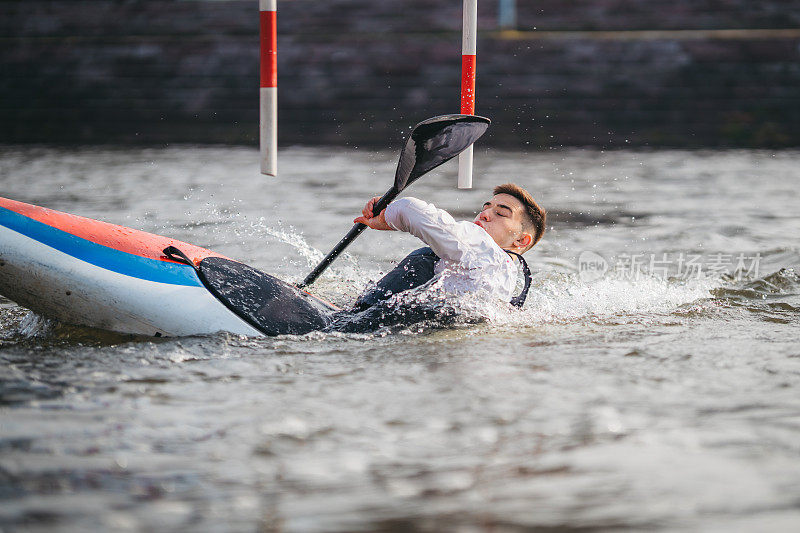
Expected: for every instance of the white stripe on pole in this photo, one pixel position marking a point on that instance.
(469, 30)
(268, 92)
(469, 45)
(465, 169)
(268, 125)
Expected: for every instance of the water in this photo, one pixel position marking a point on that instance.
(652, 385)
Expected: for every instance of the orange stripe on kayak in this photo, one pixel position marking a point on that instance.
(120, 238)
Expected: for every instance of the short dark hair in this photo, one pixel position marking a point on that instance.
(534, 217)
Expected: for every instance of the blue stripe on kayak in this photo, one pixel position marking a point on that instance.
(115, 260)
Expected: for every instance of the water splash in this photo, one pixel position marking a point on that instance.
(555, 297)
(290, 236)
(559, 297)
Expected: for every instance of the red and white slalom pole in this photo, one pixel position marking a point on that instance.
(268, 120)
(469, 38)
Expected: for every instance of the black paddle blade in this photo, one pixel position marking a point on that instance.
(435, 141)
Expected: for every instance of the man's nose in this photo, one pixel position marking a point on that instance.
(484, 215)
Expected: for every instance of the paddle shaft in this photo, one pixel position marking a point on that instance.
(380, 205)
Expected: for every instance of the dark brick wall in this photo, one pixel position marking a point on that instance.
(600, 72)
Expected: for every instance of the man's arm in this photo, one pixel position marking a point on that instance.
(456, 241)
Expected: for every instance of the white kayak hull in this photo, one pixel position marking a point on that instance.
(58, 285)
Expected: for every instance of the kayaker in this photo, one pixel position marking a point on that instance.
(464, 256)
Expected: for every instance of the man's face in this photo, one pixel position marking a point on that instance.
(502, 217)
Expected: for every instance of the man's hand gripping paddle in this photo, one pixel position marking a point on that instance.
(431, 143)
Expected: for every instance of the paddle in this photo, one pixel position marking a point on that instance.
(432, 142)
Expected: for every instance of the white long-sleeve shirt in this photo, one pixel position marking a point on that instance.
(469, 259)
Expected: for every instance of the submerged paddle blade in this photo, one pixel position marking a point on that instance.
(435, 141)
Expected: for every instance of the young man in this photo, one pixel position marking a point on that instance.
(463, 256)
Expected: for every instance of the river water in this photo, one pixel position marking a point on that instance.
(652, 380)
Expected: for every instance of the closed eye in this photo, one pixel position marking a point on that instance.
(507, 211)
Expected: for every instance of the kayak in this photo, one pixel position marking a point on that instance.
(91, 273)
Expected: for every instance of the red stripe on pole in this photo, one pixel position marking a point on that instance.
(468, 84)
(269, 49)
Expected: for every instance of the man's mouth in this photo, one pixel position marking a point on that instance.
(478, 222)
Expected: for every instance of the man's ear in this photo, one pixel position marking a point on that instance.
(523, 241)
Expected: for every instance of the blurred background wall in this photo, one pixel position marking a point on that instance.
(554, 72)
